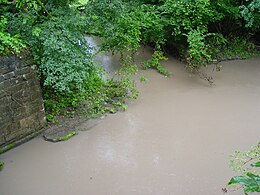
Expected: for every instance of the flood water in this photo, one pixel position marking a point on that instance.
(174, 139)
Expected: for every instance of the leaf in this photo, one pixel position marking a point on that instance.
(1, 166)
(250, 182)
(257, 164)
(36, 31)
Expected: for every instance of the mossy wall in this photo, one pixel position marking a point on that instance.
(21, 104)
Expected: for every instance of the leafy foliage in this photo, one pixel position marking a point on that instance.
(251, 14)
(240, 159)
(113, 22)
(1, 166)
(65, 58)
(198, 50)
(96, 97)
(232, 48)
(250, 182)
(191, 27)
(247, 163)
(154, 62)
(9, 42)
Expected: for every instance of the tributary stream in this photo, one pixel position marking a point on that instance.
(176, 138)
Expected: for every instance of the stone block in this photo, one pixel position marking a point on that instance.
(2, 93)
(20, 116)
(2, 78)
(14, 88)
(27, 122)
(16, 81)
(5, 112)
(9, 75)
(5, 100)
(19, 94)
(34, 109)
(15, 125)
(15, 135)
(8, 64)
(26, 60)
(26, 92)
(16, 104)
(29, 77)
(20, 111)
(5, 129)
(36, 96)
(5, 84)
(2, 140)
(22, 71)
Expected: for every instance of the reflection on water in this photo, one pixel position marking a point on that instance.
(107, 60)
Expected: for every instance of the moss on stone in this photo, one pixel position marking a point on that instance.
(68, 136)
(62, 138)
(6, 148)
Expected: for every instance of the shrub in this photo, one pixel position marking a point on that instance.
(191, 27)
(247, 163)
(8, 42)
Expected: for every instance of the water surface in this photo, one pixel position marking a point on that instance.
(175, 139)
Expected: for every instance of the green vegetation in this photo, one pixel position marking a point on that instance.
(248, 164)
(235, 49)
(62, 138)
(154, 62)
(1, 166)
(196, 31)
(6, 148)
(96, 97)
(68, 136)
(200, 32)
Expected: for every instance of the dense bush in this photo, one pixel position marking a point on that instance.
(190, 28)
(9, 42)
(96, 97)
(65, 58)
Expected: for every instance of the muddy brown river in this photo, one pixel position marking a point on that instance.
(174, 139)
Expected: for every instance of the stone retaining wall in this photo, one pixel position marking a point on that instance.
(21, 104)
